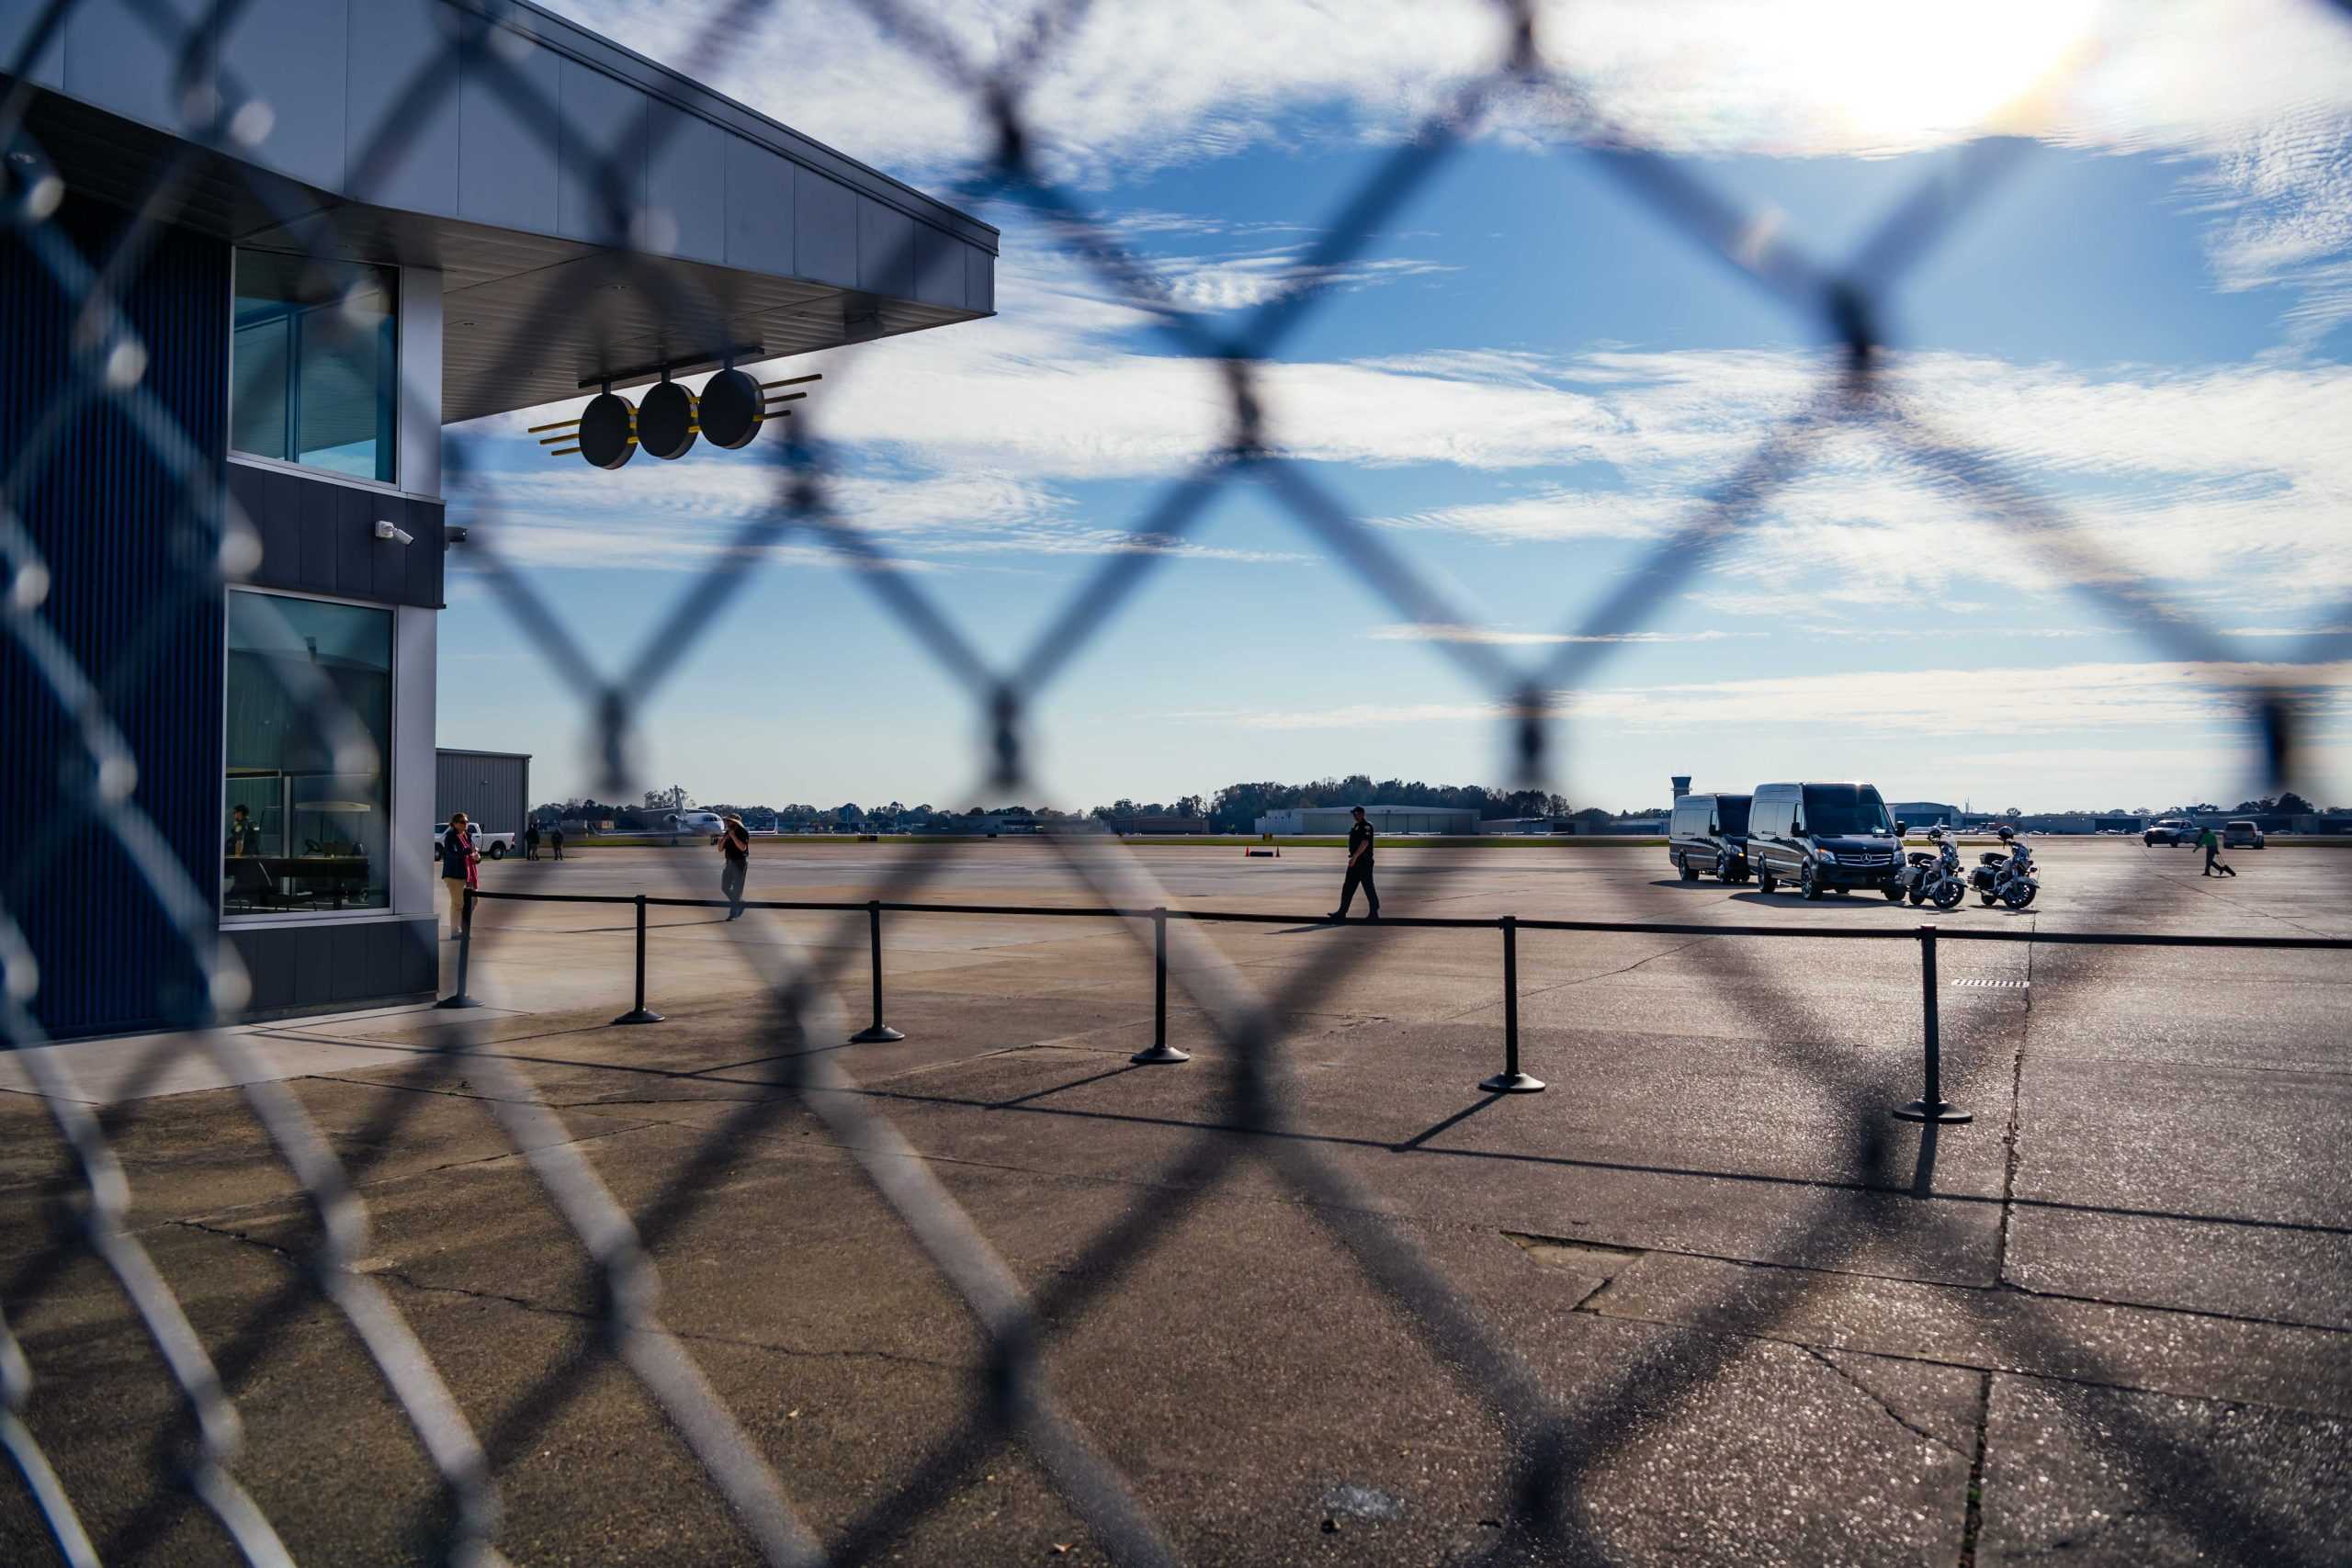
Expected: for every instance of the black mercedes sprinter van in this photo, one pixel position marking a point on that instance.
(1821, 837)
(1709, 834)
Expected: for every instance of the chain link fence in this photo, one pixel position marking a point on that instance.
(1554, 1447)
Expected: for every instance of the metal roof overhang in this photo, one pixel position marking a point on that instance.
(775, 244)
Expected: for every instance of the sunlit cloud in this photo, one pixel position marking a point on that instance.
(1415, 631)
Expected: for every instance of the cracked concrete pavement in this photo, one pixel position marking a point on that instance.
(1702, 1300)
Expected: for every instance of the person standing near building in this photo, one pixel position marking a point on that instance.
(244, 839)
(457, 859)
(1359, 871)
(531, 838)
(735, 844)
(555, 839)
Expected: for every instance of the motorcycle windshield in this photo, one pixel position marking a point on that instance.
(1837, 811)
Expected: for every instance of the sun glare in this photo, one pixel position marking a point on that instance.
(1891, 76)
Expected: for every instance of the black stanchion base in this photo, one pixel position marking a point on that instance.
(1512, 1083)
(1153, 1056)
(639, 1015)
(457, 1002)
(875, 1035)
(1941, 1112)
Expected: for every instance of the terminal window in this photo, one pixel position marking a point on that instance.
(309, 725)
(313, 365)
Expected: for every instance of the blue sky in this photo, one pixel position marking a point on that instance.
(1520, 386)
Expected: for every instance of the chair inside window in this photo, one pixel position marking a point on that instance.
(250, 887)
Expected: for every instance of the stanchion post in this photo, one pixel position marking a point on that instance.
(1930, 1106)
(1159, 1050)
(640, 1013)
(1511, 1080)
(457, 998)
(877, 1030)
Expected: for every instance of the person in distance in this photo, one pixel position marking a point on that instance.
(1359, 871)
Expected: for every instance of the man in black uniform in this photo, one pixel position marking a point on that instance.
(1359, 871)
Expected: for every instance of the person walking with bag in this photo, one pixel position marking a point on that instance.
(1359, 871)
(458, 862)
(736, 845)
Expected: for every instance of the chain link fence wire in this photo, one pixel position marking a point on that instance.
(1556, 1448)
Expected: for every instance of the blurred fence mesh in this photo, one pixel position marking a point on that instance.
(1554, 1447)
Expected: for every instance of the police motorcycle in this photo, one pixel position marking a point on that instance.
(2005, 878)
(1932, 876)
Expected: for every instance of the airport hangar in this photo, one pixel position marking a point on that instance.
(321, 427)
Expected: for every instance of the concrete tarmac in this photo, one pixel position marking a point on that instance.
(1311, 1297)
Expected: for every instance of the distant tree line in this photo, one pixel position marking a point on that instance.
(1237, 807)
(1233, 809)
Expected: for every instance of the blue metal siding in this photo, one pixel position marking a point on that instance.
(114, 526)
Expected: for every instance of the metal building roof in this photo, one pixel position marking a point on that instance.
(748, 237)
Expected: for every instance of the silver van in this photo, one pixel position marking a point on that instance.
(1822, 837)
(1708, 833)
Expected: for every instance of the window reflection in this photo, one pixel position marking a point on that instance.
(312, 367)
(307, 824)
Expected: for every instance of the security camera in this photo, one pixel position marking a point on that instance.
(390, 530)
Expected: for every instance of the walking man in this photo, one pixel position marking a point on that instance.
(736, 845)
(2210, 843)
(555, 839)
(531, 840)
(1359, 871)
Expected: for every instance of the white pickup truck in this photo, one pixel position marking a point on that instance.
(489, 846)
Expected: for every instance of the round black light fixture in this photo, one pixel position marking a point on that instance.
(731, 404)
(608, 430)
(665, 421)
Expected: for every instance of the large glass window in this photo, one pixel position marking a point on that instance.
(309, 726)
(314, 363)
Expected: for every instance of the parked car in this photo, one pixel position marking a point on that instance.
(1823, 836)
(1708, 833)
(2177, 831)
(2242, 835)
(489, 846)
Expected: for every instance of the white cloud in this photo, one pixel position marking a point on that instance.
(2255, 95)
(2225, 485)
(1419, 632)
(2008, 701)
(1239, 282)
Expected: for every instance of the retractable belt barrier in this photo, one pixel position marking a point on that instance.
(1929, 1107)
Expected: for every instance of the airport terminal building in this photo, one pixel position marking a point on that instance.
(224, 508)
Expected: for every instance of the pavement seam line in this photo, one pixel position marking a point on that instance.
(2012, 1136)
(2028, 1373)
(358, 1185)
(1872, 1396)
(524, 1304)
(1974, 1530)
